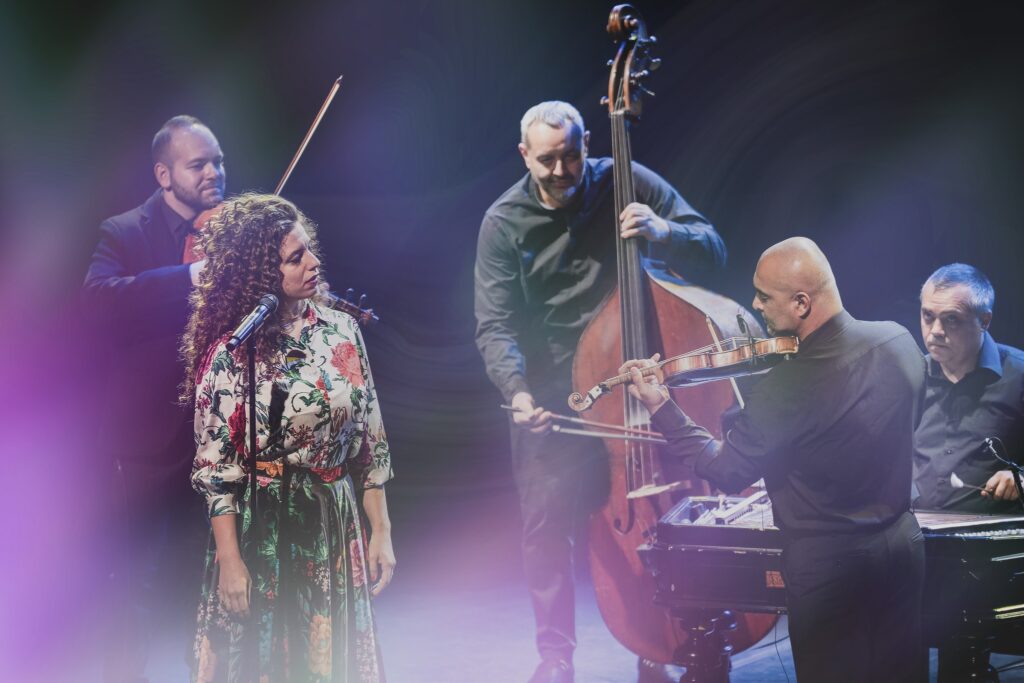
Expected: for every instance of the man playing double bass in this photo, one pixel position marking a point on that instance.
(545, 263)
(831, 432)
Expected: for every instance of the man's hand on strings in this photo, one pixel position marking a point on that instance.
(639, 220)
(648, 390)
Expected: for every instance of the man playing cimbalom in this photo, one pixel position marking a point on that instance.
(831, 432)
(975, 391)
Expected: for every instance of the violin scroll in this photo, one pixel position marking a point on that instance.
(580, 402)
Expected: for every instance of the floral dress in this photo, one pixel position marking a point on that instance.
(318, 420)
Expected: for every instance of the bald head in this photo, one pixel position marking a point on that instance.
(795, 289)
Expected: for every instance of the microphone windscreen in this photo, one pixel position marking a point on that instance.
(270, 301)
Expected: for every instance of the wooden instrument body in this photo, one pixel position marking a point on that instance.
(624, 588)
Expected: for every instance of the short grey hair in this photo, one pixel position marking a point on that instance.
(554, 113)
(982, 296)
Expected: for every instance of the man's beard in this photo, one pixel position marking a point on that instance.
(562, 195)
(194, 198)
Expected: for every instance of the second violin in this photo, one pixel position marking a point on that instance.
(725, 359)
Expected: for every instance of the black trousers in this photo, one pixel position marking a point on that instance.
(158, 538)
(560, 479)
(855, 605)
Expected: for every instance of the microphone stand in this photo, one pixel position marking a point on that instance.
(254, 636)
(1015, 469)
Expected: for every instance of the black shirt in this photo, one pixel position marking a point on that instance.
(830, 430)
(542, 273)
(180, 227)
(986, 402)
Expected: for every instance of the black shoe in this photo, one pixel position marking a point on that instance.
(553, 671)
(652, 672)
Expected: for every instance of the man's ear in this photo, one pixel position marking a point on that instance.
(586, 142)
(803, 304)
(162, 175)
(985, 319)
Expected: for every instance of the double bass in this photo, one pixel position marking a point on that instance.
(650, 310)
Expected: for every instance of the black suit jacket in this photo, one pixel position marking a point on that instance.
(137, 289)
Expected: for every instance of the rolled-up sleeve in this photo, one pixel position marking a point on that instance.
(218, 470)
(370, 467)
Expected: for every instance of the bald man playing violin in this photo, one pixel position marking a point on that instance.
(831, 432)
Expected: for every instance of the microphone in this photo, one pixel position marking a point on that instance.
(253, 321)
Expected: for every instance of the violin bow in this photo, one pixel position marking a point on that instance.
(365, 316)
(309, 134)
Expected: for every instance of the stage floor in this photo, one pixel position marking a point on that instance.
(477, 635)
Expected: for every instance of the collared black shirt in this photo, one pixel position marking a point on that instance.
(180, 227)
(830, 430)
(542, 273)
(986, 402)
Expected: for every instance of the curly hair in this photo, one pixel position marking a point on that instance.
(242, 244)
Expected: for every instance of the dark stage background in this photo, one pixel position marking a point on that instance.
(887, 132)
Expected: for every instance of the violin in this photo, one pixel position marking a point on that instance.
(363, 314)
(724, 359)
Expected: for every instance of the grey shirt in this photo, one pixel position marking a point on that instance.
(542, 273)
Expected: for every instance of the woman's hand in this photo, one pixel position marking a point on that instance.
(381, 558)
(234, 586)
(647, 390)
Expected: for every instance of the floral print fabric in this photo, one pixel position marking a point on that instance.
(317, 420)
